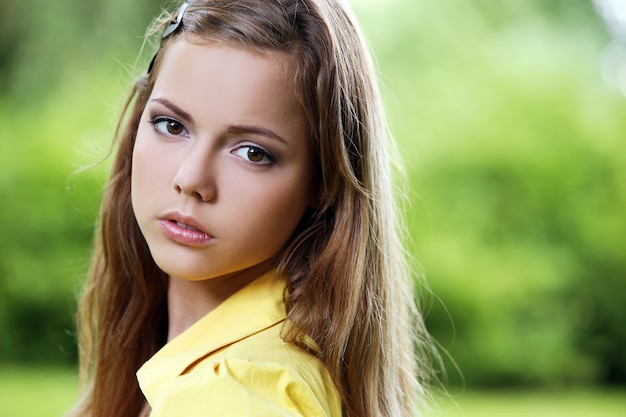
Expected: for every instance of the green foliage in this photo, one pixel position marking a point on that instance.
(515, 150)
(43, 43)
(46, 224)
(514, 155)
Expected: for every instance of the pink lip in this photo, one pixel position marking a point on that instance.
(184, 229)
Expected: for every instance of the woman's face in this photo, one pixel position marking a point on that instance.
(222, 165)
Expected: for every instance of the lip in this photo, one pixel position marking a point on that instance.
(184, 229)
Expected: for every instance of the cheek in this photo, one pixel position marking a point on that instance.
(138, 170)
(137, 187)
(265, 213)
(287, 206)
(147, 173)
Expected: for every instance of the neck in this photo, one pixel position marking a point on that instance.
(188, 301)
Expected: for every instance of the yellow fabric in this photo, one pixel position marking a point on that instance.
(233, 362)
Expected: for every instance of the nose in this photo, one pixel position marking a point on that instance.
(195, 177)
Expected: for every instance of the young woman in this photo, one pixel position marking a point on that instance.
(248, 260)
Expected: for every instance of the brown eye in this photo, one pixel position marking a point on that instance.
(169, 127)
(255, 154)
(174, 128)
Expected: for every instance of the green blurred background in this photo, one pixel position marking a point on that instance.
(510, 116)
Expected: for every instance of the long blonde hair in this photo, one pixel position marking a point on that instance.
(349, 286)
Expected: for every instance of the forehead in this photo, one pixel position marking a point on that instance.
(210, 69)
(228, 60)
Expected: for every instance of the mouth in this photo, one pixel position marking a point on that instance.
(184, 230)
(186, 226)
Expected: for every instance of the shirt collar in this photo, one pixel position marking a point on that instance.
(254, 308)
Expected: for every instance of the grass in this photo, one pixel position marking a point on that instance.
(49, 392)
(36, 392)
(565, 403)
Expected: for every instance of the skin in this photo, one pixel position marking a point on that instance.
(222, 171)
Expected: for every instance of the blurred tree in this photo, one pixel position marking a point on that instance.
(515, 149)
(10, 40)
(48, 41)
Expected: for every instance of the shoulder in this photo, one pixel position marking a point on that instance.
(260, 375)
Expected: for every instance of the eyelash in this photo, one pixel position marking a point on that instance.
(156, 121)
(270, 159)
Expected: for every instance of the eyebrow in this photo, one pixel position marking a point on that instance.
(174, 108)
(255, 130)
(233, 130)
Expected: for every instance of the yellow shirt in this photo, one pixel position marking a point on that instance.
(233, 362)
